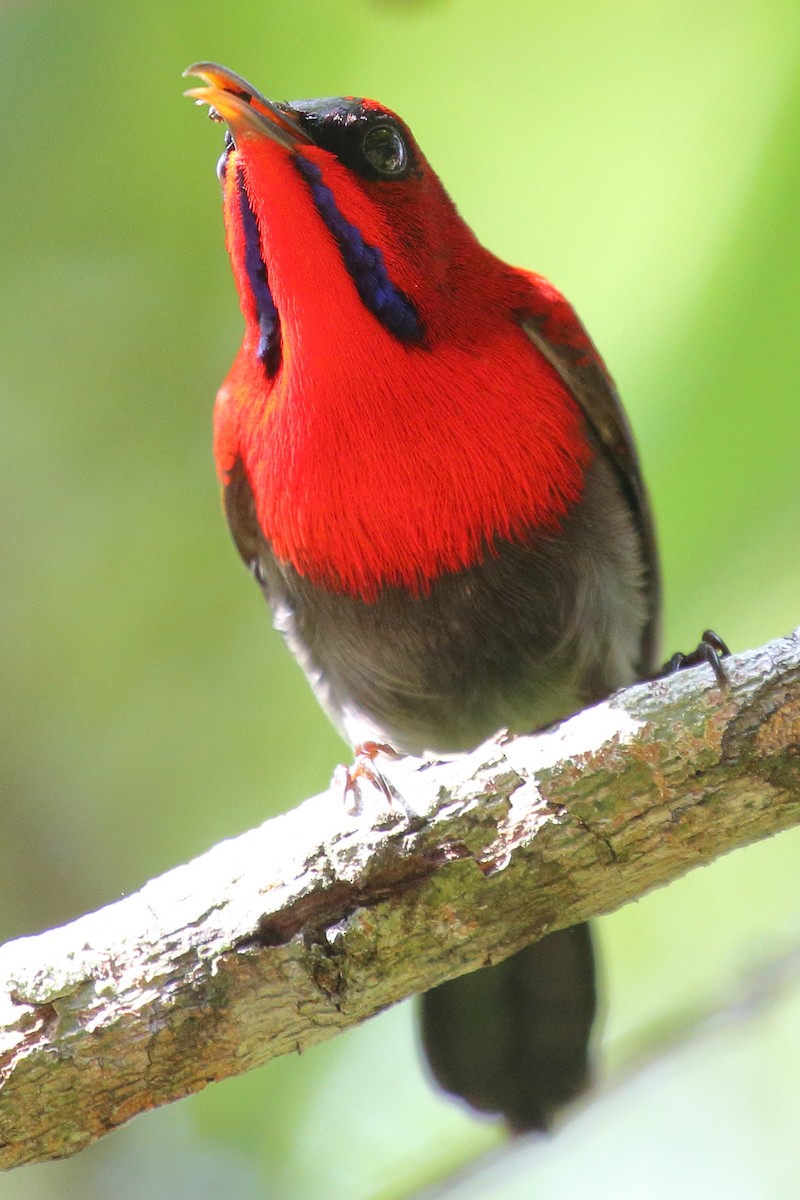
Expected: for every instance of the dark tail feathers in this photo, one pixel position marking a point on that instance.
(514, 1038)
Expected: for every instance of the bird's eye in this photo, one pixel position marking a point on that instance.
(385, 150)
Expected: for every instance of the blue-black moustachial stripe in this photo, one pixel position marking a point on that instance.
(395, 311)
(269, 343)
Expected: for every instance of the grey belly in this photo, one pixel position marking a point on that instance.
(520, 640)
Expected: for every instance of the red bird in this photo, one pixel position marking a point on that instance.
(427, 469)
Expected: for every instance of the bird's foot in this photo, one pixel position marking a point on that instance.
(710, 650)
(347, 778)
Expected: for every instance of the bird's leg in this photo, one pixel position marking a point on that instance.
(710, 649)
(364, 768)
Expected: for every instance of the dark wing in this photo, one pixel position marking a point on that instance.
(555, 330)
(240, 510)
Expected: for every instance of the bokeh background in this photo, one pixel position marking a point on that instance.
(646, 157)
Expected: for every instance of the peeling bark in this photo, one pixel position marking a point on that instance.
(317, 920)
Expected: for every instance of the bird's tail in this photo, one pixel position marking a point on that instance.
(514, 1038)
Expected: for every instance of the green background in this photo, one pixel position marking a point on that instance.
(646, 157)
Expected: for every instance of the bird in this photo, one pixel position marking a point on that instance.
(427, 469)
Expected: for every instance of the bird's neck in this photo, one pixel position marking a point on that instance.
(377, 462)
(373, 463)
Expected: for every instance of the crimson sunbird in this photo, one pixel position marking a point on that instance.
(426, 467)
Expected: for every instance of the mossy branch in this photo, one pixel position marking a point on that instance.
(318, 919)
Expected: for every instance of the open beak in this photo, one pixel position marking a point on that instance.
(244, 110)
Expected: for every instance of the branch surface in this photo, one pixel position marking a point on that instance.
(318, 919)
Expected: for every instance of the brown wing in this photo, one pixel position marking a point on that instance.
(555, 330)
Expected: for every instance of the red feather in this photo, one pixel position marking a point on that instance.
(375, 462)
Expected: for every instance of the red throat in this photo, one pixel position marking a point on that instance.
(374, 463)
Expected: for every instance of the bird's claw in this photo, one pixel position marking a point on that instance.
(347, 778)
(711, 649)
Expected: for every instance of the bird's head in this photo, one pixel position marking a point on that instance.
(363, 221)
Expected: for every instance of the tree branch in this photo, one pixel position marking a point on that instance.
(282, 937)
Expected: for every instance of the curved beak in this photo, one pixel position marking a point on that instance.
(244, 110)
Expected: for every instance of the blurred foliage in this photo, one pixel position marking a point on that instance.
(647, 159)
